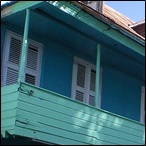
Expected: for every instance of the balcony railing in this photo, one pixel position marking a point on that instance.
(47, 116)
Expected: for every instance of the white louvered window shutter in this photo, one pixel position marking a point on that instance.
(32, 64)
(83, 82)
(80, 83)
(11, 62)
(92, 88)
(142, 114)
(13, 59)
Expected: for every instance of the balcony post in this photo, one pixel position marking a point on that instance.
(24, 48)
(97, 74)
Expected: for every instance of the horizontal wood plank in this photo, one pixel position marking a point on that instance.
(8, 122)
(49, 116)
(9, 89)
(45, 137)
(118, 135)
(9, 97)
(9, 105)
(73, 104)
(8, 113)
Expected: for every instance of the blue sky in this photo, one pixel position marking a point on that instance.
(134, 10)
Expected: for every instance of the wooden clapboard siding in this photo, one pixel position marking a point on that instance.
(55, 118)
(9, 99)
(55, 122)
(44, 136)
(9, 89)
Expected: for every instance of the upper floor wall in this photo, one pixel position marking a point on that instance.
(121, 81)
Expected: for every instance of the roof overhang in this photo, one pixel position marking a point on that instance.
(85, 15)
(17, 6)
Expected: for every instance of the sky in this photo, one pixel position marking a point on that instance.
(134, 10)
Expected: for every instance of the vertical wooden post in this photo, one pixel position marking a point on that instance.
(97, 74)
(24, 48)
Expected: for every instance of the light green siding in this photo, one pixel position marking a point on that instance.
(54, 118)
(9, 99)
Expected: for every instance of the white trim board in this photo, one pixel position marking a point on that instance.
(142, 107)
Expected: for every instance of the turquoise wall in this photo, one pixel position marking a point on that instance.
(3, 31)
(121, 93)
(57, 65)
(57, 68)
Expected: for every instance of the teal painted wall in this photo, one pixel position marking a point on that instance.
(3, 31)
(57, 68)
(57, 65)
(132, 66)
(121, 94)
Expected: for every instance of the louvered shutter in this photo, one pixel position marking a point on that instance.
(12, 65)
(83, 82)
(80, 83)
(142, 105)
(12, 60)
(92, 88)
(32, 64)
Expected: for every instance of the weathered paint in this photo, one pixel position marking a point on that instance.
(67, 121)
(21, 76)
(121, 93)
(97, 74)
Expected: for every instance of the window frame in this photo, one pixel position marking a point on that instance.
(86, 90)
(142, 107)
(6, 64)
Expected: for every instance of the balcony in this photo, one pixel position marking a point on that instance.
(46, 116)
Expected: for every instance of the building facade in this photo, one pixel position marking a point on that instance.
(70, 75)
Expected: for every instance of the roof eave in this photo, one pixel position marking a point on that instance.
(110, 22)
(93, 15)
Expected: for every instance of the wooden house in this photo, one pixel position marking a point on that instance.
(71, 73)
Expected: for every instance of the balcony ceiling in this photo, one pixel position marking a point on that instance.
(50, 23)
